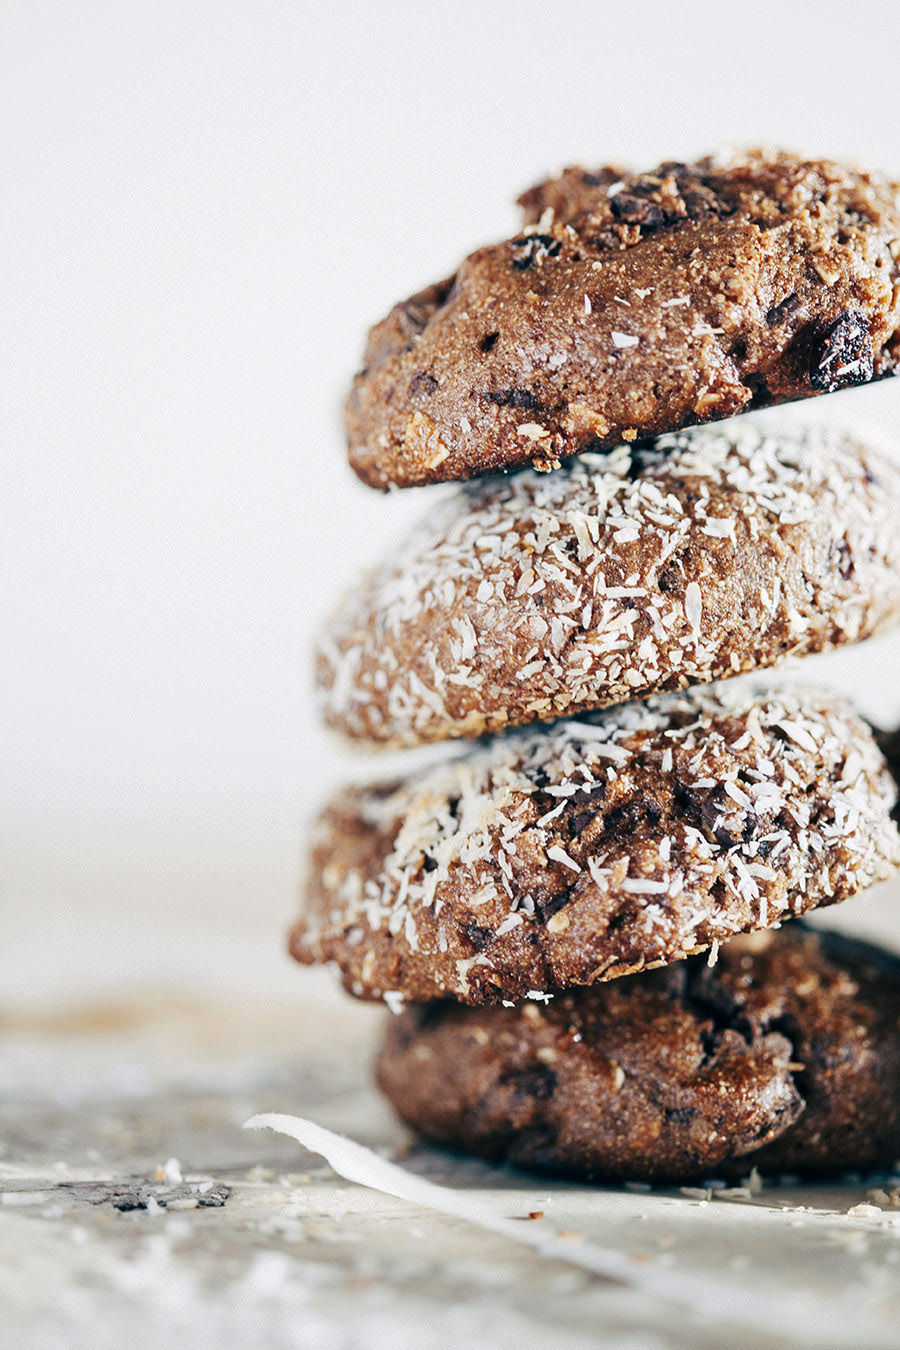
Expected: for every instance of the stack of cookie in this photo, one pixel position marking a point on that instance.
(578, 918)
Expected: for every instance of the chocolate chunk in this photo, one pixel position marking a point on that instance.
(534, 248)
(587, 805)
(545, 909)
(422, 384)
(538, 1081)
(679, 1115)
(634, 210)
(841, 353)
(723, 820)
(478, 936)
(784, 310)
(511, 398)
(694, 201)
(700, 204)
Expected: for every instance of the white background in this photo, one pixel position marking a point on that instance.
(203, 208)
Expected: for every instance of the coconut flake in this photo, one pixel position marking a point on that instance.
(560, 855)
(693, 605)
(792, 1313)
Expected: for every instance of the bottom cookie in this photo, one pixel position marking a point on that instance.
(784, 1056)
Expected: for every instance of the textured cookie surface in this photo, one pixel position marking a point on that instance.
(596, 847)
(784, 1056)
(535, 596)
(633, 305)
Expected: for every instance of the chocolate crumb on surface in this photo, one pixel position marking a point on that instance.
(517, 599)
(599, 846)
(784, 1057)
(634, 304)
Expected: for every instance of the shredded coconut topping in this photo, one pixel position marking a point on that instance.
(651, 830)
(527, 598)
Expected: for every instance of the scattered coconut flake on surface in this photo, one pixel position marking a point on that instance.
(754, 1182)
(735, 1304)
(733, 1193)
(624, 339)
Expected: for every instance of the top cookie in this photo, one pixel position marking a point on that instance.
(631, 305)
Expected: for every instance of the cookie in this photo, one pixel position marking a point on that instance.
(596, 847)
(783, 1056)
(631, 305)
(535, 596)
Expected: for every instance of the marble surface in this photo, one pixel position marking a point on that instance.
(133, 1206)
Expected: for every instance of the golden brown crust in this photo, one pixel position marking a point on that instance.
(530, 597)
(633, 305)
(596, 847)
(783, 1056)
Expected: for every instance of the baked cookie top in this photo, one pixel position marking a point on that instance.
(783, 1056)
(533, 596)
(596, 847)
(632, 305)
